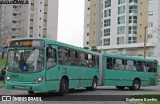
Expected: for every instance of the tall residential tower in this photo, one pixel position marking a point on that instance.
(126, 25)
(39, 18)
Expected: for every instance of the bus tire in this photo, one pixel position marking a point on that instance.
(63, 88)
(94, 85)
(120, 87)
(135, 85)
(30, 92)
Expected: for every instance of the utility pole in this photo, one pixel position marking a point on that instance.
(145, 41)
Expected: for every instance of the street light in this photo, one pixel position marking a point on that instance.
(145, 41)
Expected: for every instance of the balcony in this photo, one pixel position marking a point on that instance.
(15, 25)
(16, 18)
(127, 46)
(16, 10)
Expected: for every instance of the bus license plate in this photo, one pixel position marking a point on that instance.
(21, 87)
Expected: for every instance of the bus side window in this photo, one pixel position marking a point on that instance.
(51, 57)
(119, 64)
(82, 61)
(72, 57)
(151, 67)
(90, 61)
(97, 61)
(62, 56)
(109, 64)
(140, 66)
(130, 65)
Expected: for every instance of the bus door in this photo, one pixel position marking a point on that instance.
(114, 72)
(51, 67)
(153, 74)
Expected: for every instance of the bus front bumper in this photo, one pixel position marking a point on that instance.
(26, 86)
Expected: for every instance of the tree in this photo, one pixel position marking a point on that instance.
(5, 28)
(94, 48)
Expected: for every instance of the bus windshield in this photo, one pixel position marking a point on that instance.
(25, 60)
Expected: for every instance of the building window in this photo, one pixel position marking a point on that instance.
(30, 35)
(45, 12)
(121, 20)
(132, 1)
(106, 42)
(107, 3)
(151, 52)
(32, 4)
(121, 30)
(45, 20)
(121, 1)
(106, 32)
(132, 19)
(150, 24)
(14, 14)
(121, 10)
(120, 40)
(132, 30)
(31, 19)
(14, 21)
(31, 27)
(150, 13)
(87, 43)
(107, 13)
(107, 22)
(150, 1)
(133, 9)
(132, 40)
(13, 29)
(14, 6)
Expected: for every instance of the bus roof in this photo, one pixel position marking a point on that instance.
(48, 41)
(128, 57)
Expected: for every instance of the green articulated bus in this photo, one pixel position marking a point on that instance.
(42, 65)
(126, 71)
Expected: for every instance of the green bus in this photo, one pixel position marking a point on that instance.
(42, 65)
(127, 71)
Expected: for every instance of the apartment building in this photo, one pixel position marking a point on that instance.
(126, 24)
(38, 18)
(92, 23)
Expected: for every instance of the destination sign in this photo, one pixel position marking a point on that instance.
(27, 43)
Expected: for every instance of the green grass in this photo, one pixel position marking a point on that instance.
(1, 84)
(2, 63)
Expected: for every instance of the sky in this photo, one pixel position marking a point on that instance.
(71, 22)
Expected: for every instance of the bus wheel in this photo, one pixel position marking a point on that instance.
(94, 85)
(30, 92)
(120, 87)
(136, 85)
(63, 88)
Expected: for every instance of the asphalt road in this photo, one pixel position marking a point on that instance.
(102, 95)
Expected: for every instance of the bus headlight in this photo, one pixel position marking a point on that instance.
(39, 80)
(8, 78)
